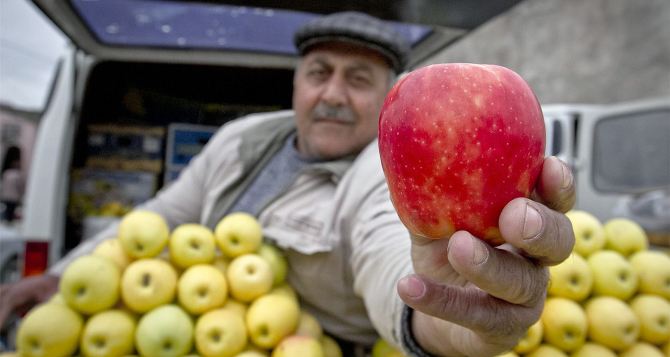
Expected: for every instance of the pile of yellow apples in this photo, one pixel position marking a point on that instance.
(190, 291)
(611, 297)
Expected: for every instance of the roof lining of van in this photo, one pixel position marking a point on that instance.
(446, 30)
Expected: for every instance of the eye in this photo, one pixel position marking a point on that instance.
(360, 81)
(317, 74)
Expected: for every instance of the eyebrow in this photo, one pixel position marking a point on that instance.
(356, 66)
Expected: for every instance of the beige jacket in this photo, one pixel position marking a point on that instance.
(344, 242)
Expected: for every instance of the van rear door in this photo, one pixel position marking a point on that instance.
(46, 190)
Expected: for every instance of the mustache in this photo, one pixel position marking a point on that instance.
(339, 113)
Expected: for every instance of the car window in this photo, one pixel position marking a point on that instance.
(632, 152)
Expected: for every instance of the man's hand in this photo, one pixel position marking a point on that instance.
(472, 299)
(25, 294)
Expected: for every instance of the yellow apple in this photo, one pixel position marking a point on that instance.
(220, 333)
(508, 354)
(108, 333)
(148, 283)
(653, 269)
(564, 323)
(164, 331)
(642, 349)
(382, 348)
(589, 232)
(201, 288)
(285, 289)
(666, 349)
(49, 330)
(308, 325)
(238, 233)
(545, 350)
(90, 284)
(235, 306)
(221, 262)
(111, 249)
(277, 262)
(531, 340)
(592, 349)
(330, 347)
(191, 244)
(612, 323)
(613, 275)
(143, 234)
(303, 346)
(571, 279)
(653, 312)
(57, 298)
(270, 318)
(625, 236)
(253, 352)
(249, 276)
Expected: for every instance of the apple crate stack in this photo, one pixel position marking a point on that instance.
(611, 297)
(155, 292)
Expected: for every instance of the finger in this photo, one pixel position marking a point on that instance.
(556, 185)
(536, 230)
(469, 307)
(429, 258)
(500, 273)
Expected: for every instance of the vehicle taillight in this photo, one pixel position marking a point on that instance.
(36, 258)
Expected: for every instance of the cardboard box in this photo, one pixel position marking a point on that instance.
(112, 193)
(131, 148)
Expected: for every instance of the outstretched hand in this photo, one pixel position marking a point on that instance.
(472, 299)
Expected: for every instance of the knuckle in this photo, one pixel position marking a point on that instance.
(501, 324)
(532, 287)
(447, 301)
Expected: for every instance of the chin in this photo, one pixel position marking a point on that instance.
(330, 151)
(325, 145)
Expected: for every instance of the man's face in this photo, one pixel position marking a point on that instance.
(338, 92)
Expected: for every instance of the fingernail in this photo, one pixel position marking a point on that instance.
(532, 223)
(413, 286)
(479, 252)
(566, 175)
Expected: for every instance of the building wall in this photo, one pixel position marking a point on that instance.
(577, 51)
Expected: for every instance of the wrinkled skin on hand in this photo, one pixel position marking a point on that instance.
(472, 299)
(22, 295)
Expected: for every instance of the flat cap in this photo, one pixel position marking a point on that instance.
(357, 28)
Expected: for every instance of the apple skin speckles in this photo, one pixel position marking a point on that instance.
(457, 143)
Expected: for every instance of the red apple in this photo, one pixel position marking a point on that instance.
(457, 143)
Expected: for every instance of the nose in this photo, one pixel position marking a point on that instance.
(335, 91)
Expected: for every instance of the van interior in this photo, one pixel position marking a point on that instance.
(150, 97)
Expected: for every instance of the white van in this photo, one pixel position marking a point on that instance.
(136, 75)
(620, 155)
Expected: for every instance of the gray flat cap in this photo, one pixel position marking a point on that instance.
(357, 28)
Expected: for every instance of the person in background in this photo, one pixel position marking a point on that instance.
(313, 178)
(13, 183)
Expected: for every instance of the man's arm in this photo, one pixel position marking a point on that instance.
(500, 291)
